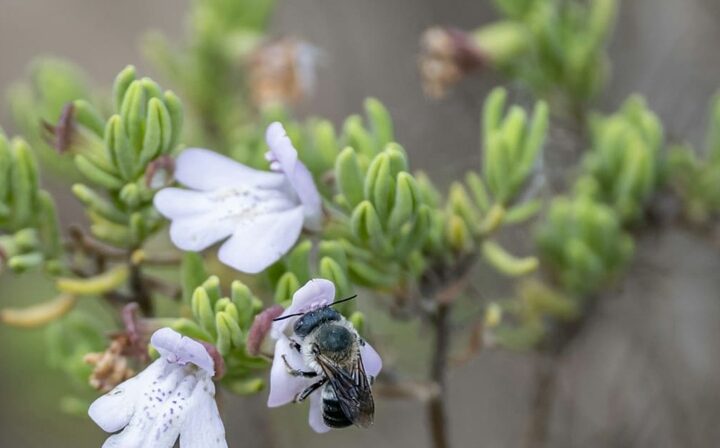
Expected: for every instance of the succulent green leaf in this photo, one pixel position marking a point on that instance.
(506, 263)
(192, 273)
(202, 310)
(380, 122)
(121, 85)
(349, 177)
(286, 287)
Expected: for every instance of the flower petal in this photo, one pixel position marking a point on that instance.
(203, 428)
(208, 217)
(371, 360)
(315, 293)
(261, 240)
(196, 233)
(206, 170)
(150, 423)
(176, 348)
(113, 411)
(315, 417)
(173, 412)
(176, 202)
(283, 386)
(298, 175)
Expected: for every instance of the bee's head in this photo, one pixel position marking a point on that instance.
(334, 339)
(313, 319)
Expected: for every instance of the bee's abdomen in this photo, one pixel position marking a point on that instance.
(333, 415)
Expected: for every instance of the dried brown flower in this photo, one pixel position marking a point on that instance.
(447, 55)
(282, 72)
(111, 366)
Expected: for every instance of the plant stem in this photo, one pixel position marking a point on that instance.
(436, 408)
(139, 290)
(538, 421)
(536, 433)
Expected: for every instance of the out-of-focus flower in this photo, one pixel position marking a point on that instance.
(283, 71)
(262, 212)
(447, 55)
(284, 387)
(173, 397)
(110, 367)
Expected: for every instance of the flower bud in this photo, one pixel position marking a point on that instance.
(260, 328)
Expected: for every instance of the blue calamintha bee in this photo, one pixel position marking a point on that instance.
(330, 347)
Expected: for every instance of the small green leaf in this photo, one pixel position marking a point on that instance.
(202, 310)
(122, 82)
(349, 177)
(506, 263)
(192, 273)
(286, 287)
(380, 122)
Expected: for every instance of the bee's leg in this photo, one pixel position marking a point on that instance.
(310, 389)
(294, 372)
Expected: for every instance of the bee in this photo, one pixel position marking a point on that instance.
(330, 347)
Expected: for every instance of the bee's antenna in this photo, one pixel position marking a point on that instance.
(343, 300)
(300, 314)
(287, 317)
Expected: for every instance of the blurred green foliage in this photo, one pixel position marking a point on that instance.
(696, 178)
(28, 222)
(565, 59)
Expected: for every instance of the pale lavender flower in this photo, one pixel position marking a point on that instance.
(173, 397)
(261, 212)
(284, 387)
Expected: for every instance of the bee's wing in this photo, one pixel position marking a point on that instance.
(352, 390)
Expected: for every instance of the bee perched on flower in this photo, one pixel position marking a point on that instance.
(320, 356)
(174, 397)
(260, 214)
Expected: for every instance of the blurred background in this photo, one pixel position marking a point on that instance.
(644, 373)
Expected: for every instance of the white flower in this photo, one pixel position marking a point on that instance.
(261, 212)
(173, 397)
(284, 387)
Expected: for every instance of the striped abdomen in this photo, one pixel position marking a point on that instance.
(333, 415)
